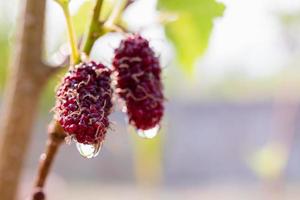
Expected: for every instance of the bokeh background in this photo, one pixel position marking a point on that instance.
(231, 128)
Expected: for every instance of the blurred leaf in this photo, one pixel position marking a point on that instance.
(106, 9)
(81, 18)
(190, 32)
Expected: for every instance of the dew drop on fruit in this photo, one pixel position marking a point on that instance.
(148, 134)
(89, 150)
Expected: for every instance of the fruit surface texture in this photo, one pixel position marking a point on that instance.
(84, 101)
(139, 83)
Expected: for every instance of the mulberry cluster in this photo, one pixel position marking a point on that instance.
(139, 84)
(84, 102)
(84, 97)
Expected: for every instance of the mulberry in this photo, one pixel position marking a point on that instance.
(84, 102)
(139, 84)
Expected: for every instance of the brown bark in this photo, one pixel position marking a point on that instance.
(56, 136)
(26, 79)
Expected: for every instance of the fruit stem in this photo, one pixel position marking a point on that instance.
(116, 13)
(71, 33)
(56, 137)
(95, 29)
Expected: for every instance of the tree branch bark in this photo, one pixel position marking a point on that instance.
(27, 77)
(56, 136)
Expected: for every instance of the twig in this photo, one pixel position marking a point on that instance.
(71, 33)
(116, 13)
(95, 30)
(38, 194)
(55, 138)
(55, 131)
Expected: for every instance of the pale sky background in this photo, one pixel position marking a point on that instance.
(249, 38)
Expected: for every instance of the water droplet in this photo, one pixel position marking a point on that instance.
(150, 133)
(89, 150)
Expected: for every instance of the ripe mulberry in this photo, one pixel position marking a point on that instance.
(84, 102)
(138, 75)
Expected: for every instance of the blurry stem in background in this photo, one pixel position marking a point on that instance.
(95, 30)
(71, 33)
(28, 75)
(286, 107)
(148, 172)
(116, 14)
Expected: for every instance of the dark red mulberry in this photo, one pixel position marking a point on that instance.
(138, 75)
(84, 102)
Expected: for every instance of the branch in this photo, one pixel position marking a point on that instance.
(64, 4)
(23, 89)
(56, 136)
(56, 133)
(95, 29)
(116, 13)
(38, 194)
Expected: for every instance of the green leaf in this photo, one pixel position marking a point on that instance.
(62, 2)
(81, 18)
(107, 8)
(191, 30)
